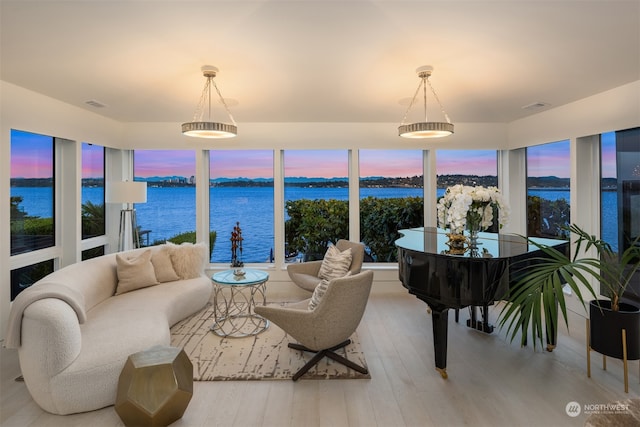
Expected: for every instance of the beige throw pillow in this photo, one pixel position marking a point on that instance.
(161, 260)
(188, 259)
(319, 292)
(134, 272)
(335, 263)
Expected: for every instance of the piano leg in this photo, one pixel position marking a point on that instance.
(440, 323)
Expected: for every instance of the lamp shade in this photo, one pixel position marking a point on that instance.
(126, 192)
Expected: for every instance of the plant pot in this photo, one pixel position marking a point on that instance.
(606, 328)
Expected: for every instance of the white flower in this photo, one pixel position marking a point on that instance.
(463, 206)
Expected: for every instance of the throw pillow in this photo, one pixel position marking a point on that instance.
(188, 259)
(134, 272)
(161, 260)
(335, 263)
(319, 292)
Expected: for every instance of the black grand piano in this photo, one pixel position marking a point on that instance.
(475, 278)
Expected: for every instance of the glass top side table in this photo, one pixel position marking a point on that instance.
(234, 298)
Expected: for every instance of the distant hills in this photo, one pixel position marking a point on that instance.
(443, 181)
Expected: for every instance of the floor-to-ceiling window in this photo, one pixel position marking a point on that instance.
(548, 178)
(316, 194)
(32, 201)
(170, 210)
(241, 194)
(32, 192)
(391, 198)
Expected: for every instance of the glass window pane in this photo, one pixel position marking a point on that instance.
(32, 192)
(92, 190)
(316, 194)
(241, 191)
(628, 177)
(548, 172)
(391, 198)
(93, 253)
(22, 278)
(608, 190)
(469, 167)
(170, 210)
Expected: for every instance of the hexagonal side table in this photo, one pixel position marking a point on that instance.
(155, 387)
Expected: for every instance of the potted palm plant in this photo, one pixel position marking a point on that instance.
(538, 296)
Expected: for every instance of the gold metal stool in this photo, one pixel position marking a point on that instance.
(155, 387)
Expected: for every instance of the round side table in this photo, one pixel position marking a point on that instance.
(234, 298)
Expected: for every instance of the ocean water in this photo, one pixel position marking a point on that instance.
(170, 211)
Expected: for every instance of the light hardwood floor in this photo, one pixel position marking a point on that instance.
(492, 382)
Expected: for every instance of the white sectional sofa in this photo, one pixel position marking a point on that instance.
(75, 328)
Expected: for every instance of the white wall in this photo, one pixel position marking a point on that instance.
(616, 109)
(314, 135)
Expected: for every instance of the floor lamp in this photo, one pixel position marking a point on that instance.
(128, 192)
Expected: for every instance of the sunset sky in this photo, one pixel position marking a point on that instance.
(31, 156)
(549, 160)
(92, 161)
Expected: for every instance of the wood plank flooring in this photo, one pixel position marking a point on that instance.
(492, 382)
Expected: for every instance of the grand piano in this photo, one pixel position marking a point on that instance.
(447, 279)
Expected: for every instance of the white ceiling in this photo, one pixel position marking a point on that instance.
(319, 61)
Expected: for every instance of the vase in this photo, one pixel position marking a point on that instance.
(473, 230)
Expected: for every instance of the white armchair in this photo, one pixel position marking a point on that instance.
(305, 274)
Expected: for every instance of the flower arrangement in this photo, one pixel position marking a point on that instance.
(465, 207)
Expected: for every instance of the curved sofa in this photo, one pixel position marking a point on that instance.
(72, 346)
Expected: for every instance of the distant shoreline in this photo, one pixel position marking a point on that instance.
(550, 183)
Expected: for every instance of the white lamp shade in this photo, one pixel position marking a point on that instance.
(126, 192)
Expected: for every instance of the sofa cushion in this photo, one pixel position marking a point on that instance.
(135, 271)
(188, 259)
(162, 265)
(335, 263)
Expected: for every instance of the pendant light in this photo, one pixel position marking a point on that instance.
(201, 128)
(425, 129)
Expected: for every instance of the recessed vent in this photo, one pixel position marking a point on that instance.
(95, 103)
(536, 106)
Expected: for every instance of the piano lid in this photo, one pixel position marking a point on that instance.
(434, 240)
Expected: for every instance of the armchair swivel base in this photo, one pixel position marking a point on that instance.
(330, 353)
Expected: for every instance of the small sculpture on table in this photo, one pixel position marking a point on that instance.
(457, 244)
(236, 248)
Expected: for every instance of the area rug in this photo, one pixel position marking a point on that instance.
(261, 357)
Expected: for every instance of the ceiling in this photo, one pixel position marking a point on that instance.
(319, 61)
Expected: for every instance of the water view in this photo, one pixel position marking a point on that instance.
(170, 211)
